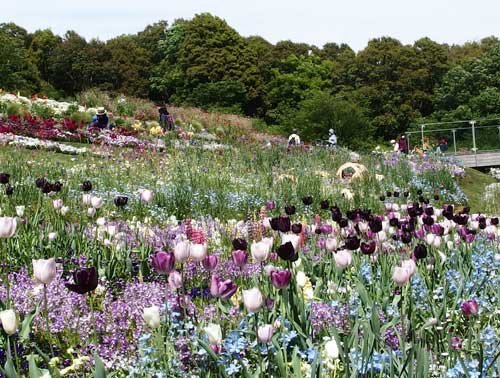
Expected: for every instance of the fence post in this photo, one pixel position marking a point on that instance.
(454, 140)
(473, 124)
(422, 131)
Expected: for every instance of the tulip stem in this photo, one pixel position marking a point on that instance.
(47, 319)
(92, 316)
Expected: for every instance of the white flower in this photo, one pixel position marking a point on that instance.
(91, 212)
(331, 244)
(260, 250)
(64, 210)
(57, 203)
(214, 333)
(301, 278)
(20, 211)
(9, 321)
(197, 251)
(96, 202)
(44, 270)
(253, 299)
(331, 349)
(8, 227)
(147, 195)
(342, 258)
(151, 316)
(101, 221)
(181, 250)
(52, 236)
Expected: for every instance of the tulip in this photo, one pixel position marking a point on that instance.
(44, 271)
(265, 333)
(270, 205)
(253, 299)
(368, 249)
(101, 221)
(52, 236)
(174, 280)
(163, 262)
(292, 238)
(120, 201)
(260, 250)
(9, 321)
(86, 199)
(226, 289)
(343, 259)
(57, 203)
(352, 243)
(286, 251)
(91, 212)
(400, 276)
(289, 210)
(64, 210)
(151, 316)
(8, 227)
(410, 266)
(456, 343)
(308, 200)
(420, 251)
(331, 244)
(268, 269)
(9, 190)
(240, 244)
(296, 228)
(86, 186)
(301, 278)
(198, 252)
(239, 258)
(20, 211)
(147, 196)
(181, 250)
(86, 280)
(96, 202)
(470, 307)
(282, 224)
(214, 334)
(214, 285)
(209, 262)
(331, 349)
(4, 178)
(281, 278)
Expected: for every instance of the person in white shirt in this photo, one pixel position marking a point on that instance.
(395, 146)
(293, 139)
(332, 139)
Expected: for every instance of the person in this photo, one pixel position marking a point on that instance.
(163, 113)
(293, 139)
(332, 139)
(443, 145)
(100, 119)
(403, 144)
(395, 146)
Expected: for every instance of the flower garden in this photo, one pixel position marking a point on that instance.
(238, 259)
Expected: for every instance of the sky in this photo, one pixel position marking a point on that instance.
(312, 21)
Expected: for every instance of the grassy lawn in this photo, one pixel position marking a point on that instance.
(473, 185)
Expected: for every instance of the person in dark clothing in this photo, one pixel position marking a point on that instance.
(101, 119)
(443, 145)
(403, 144)
(166, 120)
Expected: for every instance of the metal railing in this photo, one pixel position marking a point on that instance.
(465, 139)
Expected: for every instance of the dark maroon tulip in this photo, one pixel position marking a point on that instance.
(494, 221)
(163, 262)
(343, 223)
(436, 197)
(456, 343)
(419, 192)
(297, 228)
(240, 244)
(420, 251)
(465, 210)
(4, 178)
(406, 237)
(382, 198)
(56, 187)
(406, 194)
(121, 201)
(308, 200)
(86, 186)
(352, 243)
(9, 190)
(388, 194)
(336, 214)
(368, 248)
(282, 224)
(85, 280)
(226, 289)
(324, 204)
(40, 182)
(375, 225)
(429, 210)
(352, 214)
(461, 219)
(426, 201)
(394, 222)
(470, 307)
(317, 231)
(47, 187)
(290, 210)
(239, 258)
(286, 251)
(428, 221)
(210, 262)
(280, 278)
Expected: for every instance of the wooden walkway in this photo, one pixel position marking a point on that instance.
(481, 159)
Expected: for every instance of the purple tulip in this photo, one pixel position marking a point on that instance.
(214, 285)
(326, 229)
(420, 233)
(163, 262)
(226, 289)
(470, 307)
(281, 278)
(210, 262)
(239, 258)
(270, 205)
(269, 303)
(437, 229)
(368, 248)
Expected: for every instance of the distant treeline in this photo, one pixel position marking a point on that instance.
(377, 93)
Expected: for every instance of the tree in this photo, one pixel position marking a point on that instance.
(321, 111)
(41, 50)
(149, 39)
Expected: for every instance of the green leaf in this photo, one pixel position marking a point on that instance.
(10, 370)
(26, 324)
(34, 371)
(296, 363)
(99, 369)
(279, 358)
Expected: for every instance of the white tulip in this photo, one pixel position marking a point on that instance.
(265, 333)
(214, 334)
(301, 278)
(8, 227)
(100, 221)
(9, 321)
(181, 250)
(96, 202)
(20, 211)
(52, 236)
(197, 251)
(151, 316)
(253, 299)
(147, 196)
(260, 251)
(331, 349)
(342, 258)
(87, 199)
(331, 244)
(91, 212)
(64, 210)
(44, 271)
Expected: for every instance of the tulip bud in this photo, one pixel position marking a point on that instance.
(44, 271)
(214, 285)
(91, 212)
(198, 251)
(151, 316)
(470, 307)
(252, 299)
(64, 210)
(20, 211)
(87, 199)
(265, 333)
(96, 202)
(175, 280)
(9, 321)
(331, 244)
(163, 262)
(52, 236)
(147, 196)
(8, 227)
(181, 250)
(210, 262)
(57, 203)
(239, 258)
(400, 276)
(301, 278)
(214, 334)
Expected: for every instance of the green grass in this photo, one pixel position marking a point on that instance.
(473, 185)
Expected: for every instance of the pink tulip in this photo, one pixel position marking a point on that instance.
(281, 278)
(239, 258)
(174, 280)
(181, 250)
(343, 259)
(147, 196)
(198, 252)
(214, 285)
(410, 266)
(470, 307)
(163, 262)
(400, 276)
(8, 227)
(209, 262)
(57, 203)
(44, 271)
(265, 333)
